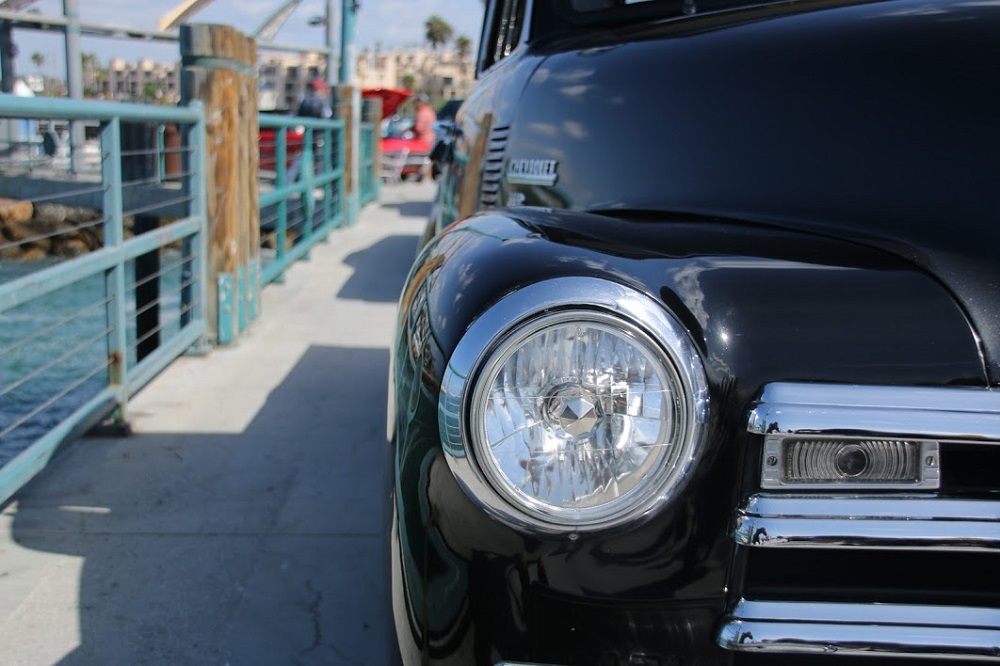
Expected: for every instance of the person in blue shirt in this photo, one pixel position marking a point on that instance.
(315, 104)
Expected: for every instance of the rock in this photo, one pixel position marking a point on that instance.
(92, 237)
(14, 212)
(46, 227)
(33, 254)
(50, 213)
(72, 248)
(18, 231)
(78, 216)
(43, 244)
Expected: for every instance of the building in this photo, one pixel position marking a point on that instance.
(282, 78)
(144, 80)
(440, 74)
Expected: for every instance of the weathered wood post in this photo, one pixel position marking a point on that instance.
(219, 69)
(345, 111)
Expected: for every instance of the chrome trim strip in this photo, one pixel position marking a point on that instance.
(883, 629)
(852, 522)
(890, 614)
(952, 414)
(520, 308)
(899, 507)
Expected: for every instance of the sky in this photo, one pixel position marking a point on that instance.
(391, 23)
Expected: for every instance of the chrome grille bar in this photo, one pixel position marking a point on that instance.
(869, 629)
(952, 414)
(858, 522)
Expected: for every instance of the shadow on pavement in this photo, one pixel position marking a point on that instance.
(262, 547)
(380, 270)
(421, 209)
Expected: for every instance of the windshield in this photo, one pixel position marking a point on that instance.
(397, 127)
(625, 11)
(597, 5)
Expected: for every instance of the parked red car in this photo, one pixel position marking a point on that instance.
(398, 137)
(295, 137)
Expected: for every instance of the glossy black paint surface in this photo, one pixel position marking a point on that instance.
(872, 121)
(762, 304)
(808, 187)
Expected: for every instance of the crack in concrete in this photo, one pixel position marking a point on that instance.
(316, 614)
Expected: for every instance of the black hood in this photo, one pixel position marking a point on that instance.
(878, 123)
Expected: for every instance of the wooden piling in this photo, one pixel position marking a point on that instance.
(219, 69)
(345, 111)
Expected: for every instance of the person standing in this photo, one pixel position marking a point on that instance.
(423, 124)
(315, 104)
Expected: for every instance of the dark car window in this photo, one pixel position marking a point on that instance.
(449, 109)
(505, 31)
(562, 16)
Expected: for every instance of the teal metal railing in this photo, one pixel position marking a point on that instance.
(102, 266)
(369, 185)
(301, 188)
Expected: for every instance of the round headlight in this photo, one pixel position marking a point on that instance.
(574, 417)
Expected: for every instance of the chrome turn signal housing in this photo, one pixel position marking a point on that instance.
(843, 463)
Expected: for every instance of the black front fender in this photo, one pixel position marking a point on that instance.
(760, 304)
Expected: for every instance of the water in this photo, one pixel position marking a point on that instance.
(54, 350)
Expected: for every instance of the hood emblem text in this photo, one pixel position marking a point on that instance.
(532, 172)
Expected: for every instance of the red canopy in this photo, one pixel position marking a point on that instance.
(392, 98)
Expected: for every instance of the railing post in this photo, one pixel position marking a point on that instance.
(342, 181)
(371, 112)
(308, 174)
(219, 69)
(328, 188)
(114, 236)
(281, 223)
(194, 294)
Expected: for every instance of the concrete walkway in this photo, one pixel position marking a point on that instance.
(242, 523)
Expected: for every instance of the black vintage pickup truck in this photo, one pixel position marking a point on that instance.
(699, 361)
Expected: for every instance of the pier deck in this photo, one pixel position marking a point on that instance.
(242, 522)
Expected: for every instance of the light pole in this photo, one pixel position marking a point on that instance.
(331, 39)
(74, 80)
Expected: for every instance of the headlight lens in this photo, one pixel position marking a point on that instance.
(575, 418)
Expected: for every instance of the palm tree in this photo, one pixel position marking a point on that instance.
(464, 46)
(38, 59)
(91, 65)
(151, 92)
(438, 31)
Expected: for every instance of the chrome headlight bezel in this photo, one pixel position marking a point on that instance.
(516, 315)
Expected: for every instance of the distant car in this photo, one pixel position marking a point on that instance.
(699, 361)
(398, 137)
(268, 141)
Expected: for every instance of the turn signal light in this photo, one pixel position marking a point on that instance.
(845, 463)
